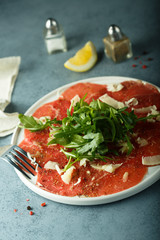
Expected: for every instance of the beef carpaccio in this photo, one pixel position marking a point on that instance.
(84, 179)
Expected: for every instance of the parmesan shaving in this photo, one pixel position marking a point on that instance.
(158, 118)
(83, 162)
(123, 146)
(66, 177)
(151, 160)
(145, 109)
(125, 177)
(142, 142)
(58, 169)
(151, 120)
(53, 166)
(154, 112)
(74, 100)
(107, 167)
(50, 165)
(114, 87)
(132, 101)
(111, 101)
(78, 181)
(42, 119)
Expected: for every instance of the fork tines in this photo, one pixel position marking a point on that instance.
(18, 158)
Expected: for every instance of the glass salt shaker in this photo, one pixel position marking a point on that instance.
(117, 45)
(54, 36)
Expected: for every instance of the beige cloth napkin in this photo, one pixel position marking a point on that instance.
(9, 68)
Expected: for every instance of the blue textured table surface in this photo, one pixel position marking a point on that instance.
(21, 34)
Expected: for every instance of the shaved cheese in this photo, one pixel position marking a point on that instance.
(142, 142)
(158, 118)
(114, 87)
(42, 119)
(50, 165)
(123, 146)
(145, 109)
(58, 169)
(53, 166)
(151, 120)
(66, 177)
(111, 101)
(78, 181)
(74, 100)
(135, 134)
(132, 101)
(107, 167)
(154, 112)
(83, 162)
(125, 177)
(151, 160)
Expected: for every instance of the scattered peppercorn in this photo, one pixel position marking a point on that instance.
(31, 213)
(27, 200)
(15, 210)
(135, 58)
(144, 66)
(134, 65)
(43, 204)
(29, 208)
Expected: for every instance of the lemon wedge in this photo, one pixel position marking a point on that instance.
(83, 60)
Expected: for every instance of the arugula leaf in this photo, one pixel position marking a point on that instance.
(96, 140)
(30, 123)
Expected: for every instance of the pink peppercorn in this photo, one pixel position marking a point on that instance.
(134, 65)
(144, 66)
(31, 213)
(43, 204)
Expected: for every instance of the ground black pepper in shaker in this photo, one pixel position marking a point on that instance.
(117, 45)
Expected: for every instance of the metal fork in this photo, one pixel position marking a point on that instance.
(19, 159)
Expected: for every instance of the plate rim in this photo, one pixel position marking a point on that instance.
(145, 183)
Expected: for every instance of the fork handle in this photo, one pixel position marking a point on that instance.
(3, 149)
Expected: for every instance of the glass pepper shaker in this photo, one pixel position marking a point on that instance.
(54, 36)
(117, 45)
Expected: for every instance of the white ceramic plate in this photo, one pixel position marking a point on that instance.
(153, 172)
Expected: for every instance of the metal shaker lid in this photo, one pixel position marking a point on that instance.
(52, 26)
(115, 33)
